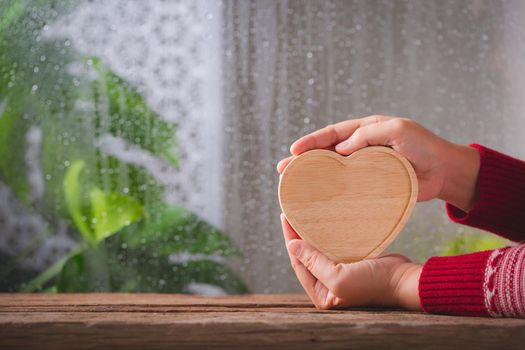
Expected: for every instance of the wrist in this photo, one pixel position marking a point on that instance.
(461, 176)
(406, 290)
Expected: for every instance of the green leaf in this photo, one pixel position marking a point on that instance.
(172, 228)
(128, 115)
(38, 283)
(13, 146)
(11, 11)
(86, 271)
(74, 200)
(111, 212)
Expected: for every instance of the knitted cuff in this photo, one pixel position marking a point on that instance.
(505, 282)
(454, 284)
(501, 196)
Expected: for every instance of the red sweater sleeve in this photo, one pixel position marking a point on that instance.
(501, 203)
(488, 283)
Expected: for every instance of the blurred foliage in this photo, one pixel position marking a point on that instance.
(133, 267)
(126, 233)
(96, 224)
(470, 242)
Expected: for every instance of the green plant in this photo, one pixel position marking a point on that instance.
(470, 242)
(128, 237)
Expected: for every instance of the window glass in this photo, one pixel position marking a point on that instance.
(138, 140)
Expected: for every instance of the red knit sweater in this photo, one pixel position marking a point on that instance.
(488, 283)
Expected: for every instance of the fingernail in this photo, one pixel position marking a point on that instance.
(295, 248)
(292, 148)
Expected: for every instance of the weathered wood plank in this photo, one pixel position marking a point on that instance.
(151, 299)
(139, 321)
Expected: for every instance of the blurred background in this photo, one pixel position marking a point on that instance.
(138, 140)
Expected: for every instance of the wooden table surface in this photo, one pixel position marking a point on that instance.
(158, 321)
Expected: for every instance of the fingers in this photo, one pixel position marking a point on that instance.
(283, 164)
(307, 280)
(288, 231)
(325, 137)
(322, 268)
(332, 134)
(381, 134)
(321, 296)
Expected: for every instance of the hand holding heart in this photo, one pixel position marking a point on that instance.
(388, 280)
(444, 170)
(349, 208)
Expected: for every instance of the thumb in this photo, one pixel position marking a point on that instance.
(377, 134)
(318, 264)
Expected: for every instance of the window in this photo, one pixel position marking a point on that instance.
(138, 140)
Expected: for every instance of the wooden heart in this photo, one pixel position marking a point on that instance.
(349, 208)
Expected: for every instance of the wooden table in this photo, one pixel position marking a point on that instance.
(158, 321)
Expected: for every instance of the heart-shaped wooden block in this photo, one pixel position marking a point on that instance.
(349, 208)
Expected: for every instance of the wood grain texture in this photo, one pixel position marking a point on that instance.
(153, 321)
(349, 208)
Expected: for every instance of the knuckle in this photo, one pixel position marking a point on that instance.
(332, 131)
(337, 270)
(376, 118)
(403, 122)
(400, 125)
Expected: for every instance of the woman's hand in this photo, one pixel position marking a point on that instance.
(444, 170)
(389, 280)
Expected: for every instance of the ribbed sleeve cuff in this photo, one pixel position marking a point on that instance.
(501, 185)
(454, 285)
